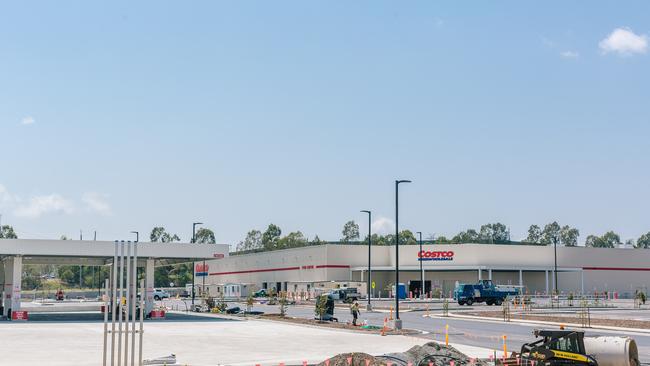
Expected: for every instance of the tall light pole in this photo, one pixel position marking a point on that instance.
(137, 236)
(555, 266)
(193, 267)
(398, 321)
(422, 287)
(369, 306)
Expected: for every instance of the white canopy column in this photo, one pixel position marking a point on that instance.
(13, 270)
(148, 284)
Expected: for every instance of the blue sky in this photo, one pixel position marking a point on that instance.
(121, 116)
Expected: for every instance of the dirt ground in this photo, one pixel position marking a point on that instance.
(623, 323)
(336, 325)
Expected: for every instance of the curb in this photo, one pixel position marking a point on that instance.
(541, 322)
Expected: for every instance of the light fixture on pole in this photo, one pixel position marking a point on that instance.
(369, 306)
(398, 321)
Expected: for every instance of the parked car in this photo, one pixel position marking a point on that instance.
(159, 294)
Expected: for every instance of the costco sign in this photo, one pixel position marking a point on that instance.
(201, 269)
(440, 255)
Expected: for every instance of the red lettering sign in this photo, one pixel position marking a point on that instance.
(439, 255)
(200, 267)
(19, 315)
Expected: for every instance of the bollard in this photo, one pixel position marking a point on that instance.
(505, 348)
(391, 312)
(446, 334)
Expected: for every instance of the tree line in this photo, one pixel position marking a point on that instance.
(492, 233)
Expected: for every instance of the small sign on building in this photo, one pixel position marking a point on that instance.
(19, 315)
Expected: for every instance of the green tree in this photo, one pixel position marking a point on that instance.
(593, 241)
(159, 235)
(569, 236)
(292, 240)
(609, 240)
(442, 240)
(406, 237)
(271, 237)
(534, 234)
(179, 274)
(7, 232)
(316, 240)
(496, 233)
(643, 241)
(253, 241)
(551, 233)
(468, 236)
(321, 307)
(205, 236)
(350, 231)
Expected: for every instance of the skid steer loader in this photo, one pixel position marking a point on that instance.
(556, 348)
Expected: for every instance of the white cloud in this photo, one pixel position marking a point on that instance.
(383, 226)
(624, 42)
(569, 54)
(5, 196)
(97, 203)
(41, 205)
(29, 120)
(547, 42)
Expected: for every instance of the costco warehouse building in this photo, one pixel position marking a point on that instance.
(580, 269)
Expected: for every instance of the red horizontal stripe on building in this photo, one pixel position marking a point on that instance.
(276, 269)
(614, 269)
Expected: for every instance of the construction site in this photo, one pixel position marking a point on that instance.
(499, 327)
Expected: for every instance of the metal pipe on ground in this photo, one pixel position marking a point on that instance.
(612, 351)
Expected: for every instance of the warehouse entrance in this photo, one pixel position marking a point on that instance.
(415, 287)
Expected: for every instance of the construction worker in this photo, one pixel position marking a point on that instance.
(354, 309)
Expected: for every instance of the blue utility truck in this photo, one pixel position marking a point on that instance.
(483, 291)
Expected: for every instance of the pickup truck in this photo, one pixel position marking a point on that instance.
(347, 295)
(483, 291)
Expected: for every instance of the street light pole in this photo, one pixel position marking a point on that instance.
(555, 265)
(194, 267)
(422, 287)
(137, 236)
(398, 321)
(369, 306)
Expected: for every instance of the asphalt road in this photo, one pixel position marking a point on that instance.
(487, 334)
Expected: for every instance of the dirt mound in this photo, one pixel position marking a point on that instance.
(430, 353)
(353, 359)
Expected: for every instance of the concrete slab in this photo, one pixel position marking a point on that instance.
(197, 342)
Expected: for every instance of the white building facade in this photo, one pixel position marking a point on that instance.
(580, 270)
